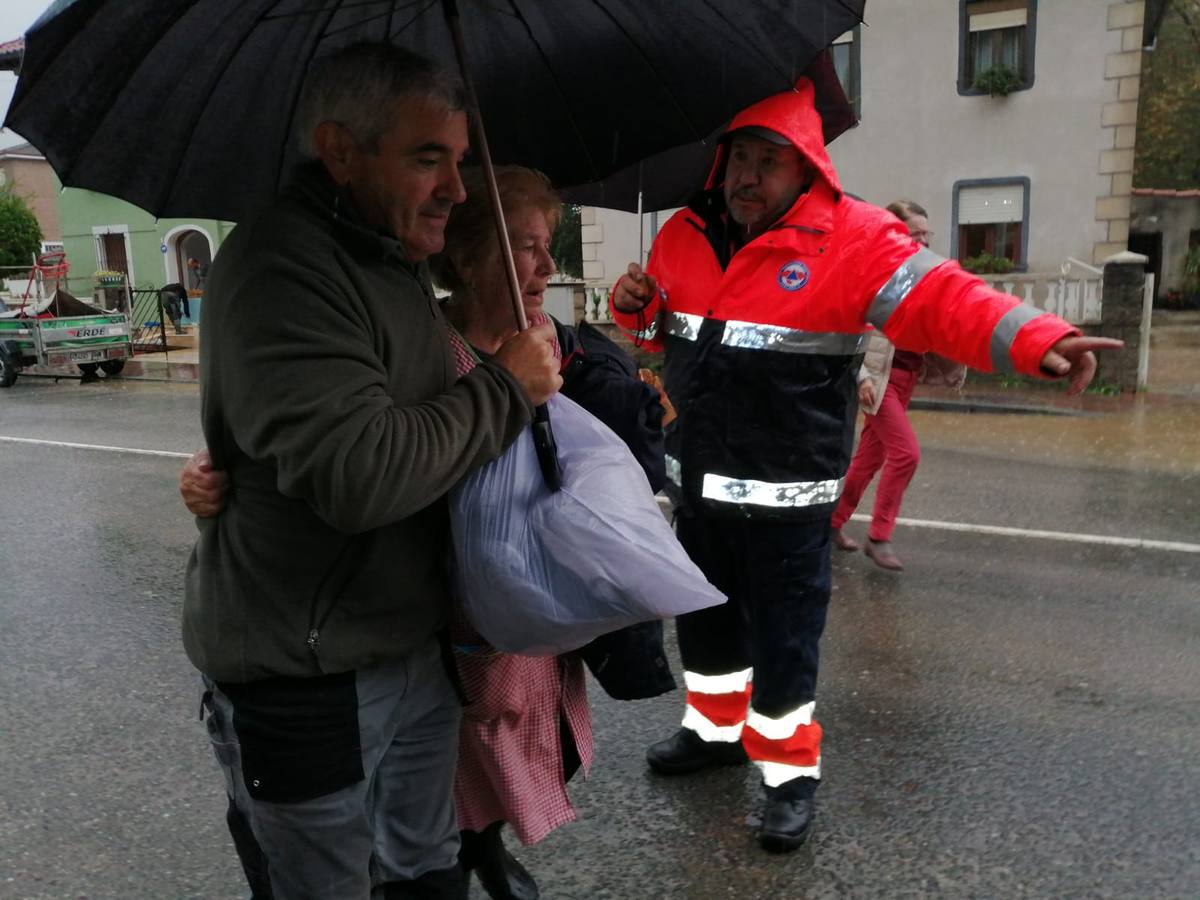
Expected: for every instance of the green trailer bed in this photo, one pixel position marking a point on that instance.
(94, 339)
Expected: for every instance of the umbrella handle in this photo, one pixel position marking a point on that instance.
(547, 448)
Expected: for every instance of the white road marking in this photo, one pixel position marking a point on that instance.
(1102, 539)
(73, 446)
(1070, 537)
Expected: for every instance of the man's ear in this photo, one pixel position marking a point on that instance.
(338, 150)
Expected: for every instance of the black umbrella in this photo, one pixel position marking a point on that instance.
(185, 107)
(666, 180)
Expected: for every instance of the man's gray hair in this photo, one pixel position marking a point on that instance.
(358, 87)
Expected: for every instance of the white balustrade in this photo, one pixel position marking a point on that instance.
(595, 306)
(1075, 297)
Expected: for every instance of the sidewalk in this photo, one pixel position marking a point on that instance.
(1174, 373)
(175, 365)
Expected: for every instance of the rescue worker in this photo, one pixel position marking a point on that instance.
(761, 292)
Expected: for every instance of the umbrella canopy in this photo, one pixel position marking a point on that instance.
(185, 107)
(668, 179)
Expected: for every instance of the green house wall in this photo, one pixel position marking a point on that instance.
(82, 212)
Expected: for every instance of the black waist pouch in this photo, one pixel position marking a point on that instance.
(299, 736)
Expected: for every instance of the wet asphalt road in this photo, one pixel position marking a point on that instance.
(1011, 717)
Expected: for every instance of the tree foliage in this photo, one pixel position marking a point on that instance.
(1168, 138)
(20, 234)
(567, 245)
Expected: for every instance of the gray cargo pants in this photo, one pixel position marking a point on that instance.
(345, 780)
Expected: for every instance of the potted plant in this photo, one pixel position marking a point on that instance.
(998, 81)
(988, 264)
(109, 278)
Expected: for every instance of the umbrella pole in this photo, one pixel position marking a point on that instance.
(543, 433)
(641, 222)
(450, 8)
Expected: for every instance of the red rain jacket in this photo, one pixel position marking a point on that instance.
(762, 353)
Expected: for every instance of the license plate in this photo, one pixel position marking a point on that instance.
(88, 355)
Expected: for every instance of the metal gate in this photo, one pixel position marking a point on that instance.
(147, 317)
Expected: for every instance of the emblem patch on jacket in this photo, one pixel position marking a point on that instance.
(793, 275)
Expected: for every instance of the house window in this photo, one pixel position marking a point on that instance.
(848, 65)
(996, 44)
(113, 248)
(991, 218)
(113, 255)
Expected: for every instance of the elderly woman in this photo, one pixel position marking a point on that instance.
(526, 728)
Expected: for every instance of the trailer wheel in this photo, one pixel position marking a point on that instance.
(8, 372)
(88, 369)
(112, 366)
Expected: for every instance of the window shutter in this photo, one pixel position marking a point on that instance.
(992, 14)
(994, 21)
(985, 205)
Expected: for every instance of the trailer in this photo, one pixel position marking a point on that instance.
(62, 330)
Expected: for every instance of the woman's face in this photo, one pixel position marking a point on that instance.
(529, 233)
(918, 228)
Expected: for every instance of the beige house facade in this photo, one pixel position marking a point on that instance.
(1041, 174)
(25, 171)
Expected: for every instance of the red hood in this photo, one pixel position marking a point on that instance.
(792, 114)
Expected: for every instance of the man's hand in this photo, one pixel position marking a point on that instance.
(202, 487)
(1073, 356)
(529, 358)
(634, 290)
(866, 393)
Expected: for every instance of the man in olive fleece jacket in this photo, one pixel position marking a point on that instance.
(314, 601)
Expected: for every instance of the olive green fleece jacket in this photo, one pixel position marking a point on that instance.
(329, 395)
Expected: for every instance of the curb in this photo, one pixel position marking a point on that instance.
(988, 406)
(135, 370)
(187, 372)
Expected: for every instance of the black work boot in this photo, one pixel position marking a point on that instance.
(499, 872)
(787, 815)
(685, 751)
(440, 884)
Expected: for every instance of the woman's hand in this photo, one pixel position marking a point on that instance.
(866, 393)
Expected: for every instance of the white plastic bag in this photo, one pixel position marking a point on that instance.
(541, 573)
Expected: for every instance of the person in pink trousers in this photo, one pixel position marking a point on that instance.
(888, 442)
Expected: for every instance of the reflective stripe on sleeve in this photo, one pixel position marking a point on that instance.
(717, 684)
(762, 493)
(785, 726)
(674, 470)
(1005, 333)
(683, 325)
(646, 334)
(900, 285)
(774, 774)
(753, 336)
(707, 731)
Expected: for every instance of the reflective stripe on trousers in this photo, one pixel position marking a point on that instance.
(716, 705)
(783, 747)
(786, 747)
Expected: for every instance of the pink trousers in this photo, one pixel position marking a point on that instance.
(887, 442)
